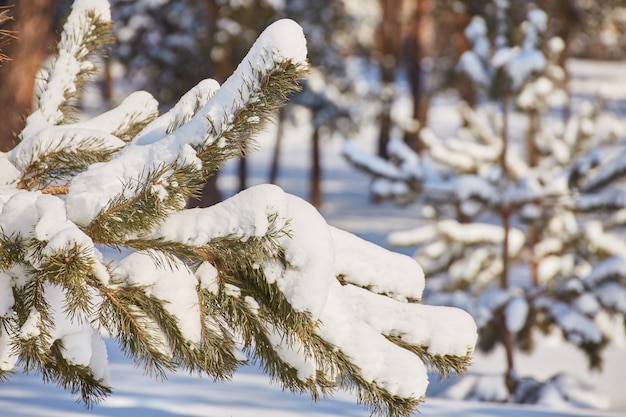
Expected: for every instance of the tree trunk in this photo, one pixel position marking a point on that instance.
(243, 173)
(209, 196)
(32, 24)
(505, 334)
(107, 80)
(465, 86)
(384, 128)
(417, 46)
(389, 37)
(273, 177)
(316, 169)
(531, 157)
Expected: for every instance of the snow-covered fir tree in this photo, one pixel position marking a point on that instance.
(95, 242)
(521, 230)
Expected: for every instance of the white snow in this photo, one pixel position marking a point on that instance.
(6, 295)
(170, 280)
(292, 355)
(32, 325)
(182, 111)
(360, 262)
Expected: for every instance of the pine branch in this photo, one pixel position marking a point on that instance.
(62, 163)
(444, 365)
(380, 401)
(216, 351)
(232, 136)
(133, 123)
(79, 379)
(248, 276)
(33, 323)
(253, 328)
(5, 375)
(144, 203)
(6, 36)
(71, 269)
(12, 250)
(122, 314)
(180, 117)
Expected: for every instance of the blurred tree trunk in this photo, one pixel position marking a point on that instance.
(506, 214)
(33, 26)
(465, 87)
(210, 193)
(316, 169)
(389, 38)
(418, 45)
(107, 80)
(274, 167)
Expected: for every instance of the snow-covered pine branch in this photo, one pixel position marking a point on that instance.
(95, 241)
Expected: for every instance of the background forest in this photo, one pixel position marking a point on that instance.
(515, 196)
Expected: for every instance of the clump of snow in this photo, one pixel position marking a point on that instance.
(207, 275)
(8, 356)
(292, 355)
(44, 218)
(8, 172)
(32, 326)
(360, 262)
(182, 111)
(167, 279)
(6, 300)
(81, 343)
(473, 62)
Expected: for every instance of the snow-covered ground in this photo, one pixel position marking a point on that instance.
(346, 205)
(248, 395)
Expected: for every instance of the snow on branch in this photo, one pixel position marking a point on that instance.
(377, 315)
(238, 109)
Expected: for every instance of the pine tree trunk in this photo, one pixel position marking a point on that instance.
(32, 25)
(387, 55)
(243, 173)
(316, 169)
(505, 334)
(273, 177)
(466, 88)
(107, 82)
(209, 196)
(417, 43)
(531, 157)
(566, 18)
(384, 128)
